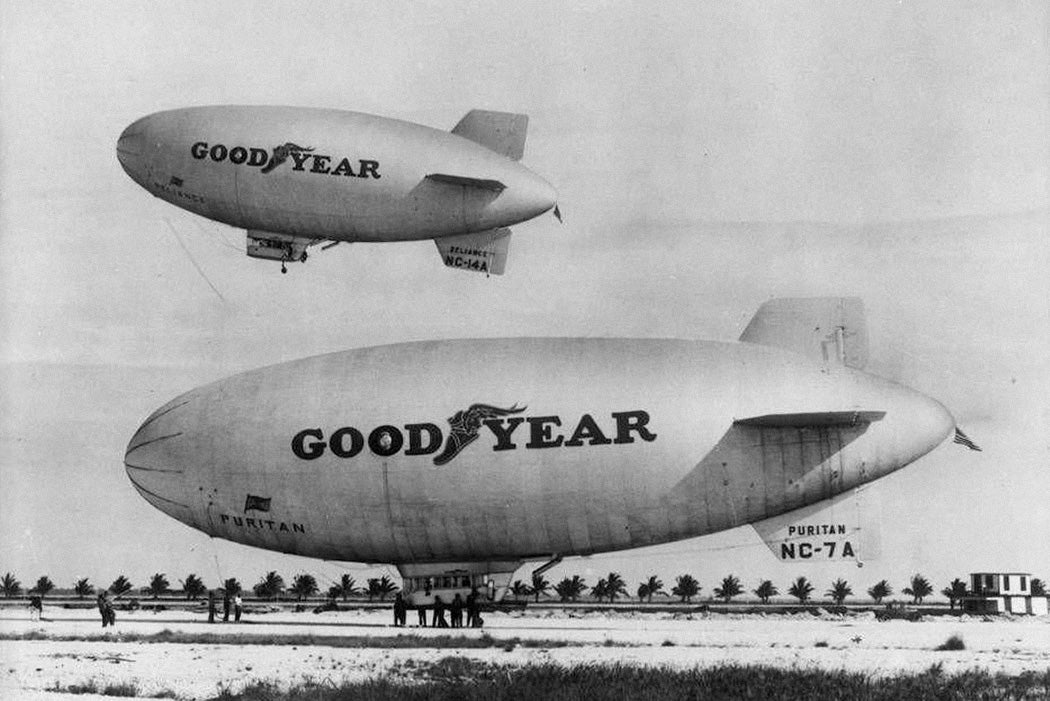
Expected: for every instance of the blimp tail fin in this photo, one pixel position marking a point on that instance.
(832, 330)
(502, 132)
(845, 528)
(482, 252)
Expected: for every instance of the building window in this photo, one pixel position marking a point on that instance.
(988, 582)
(1006, 582)
(1024, 584)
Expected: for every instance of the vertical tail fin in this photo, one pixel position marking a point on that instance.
(832, 330)
(502, 132)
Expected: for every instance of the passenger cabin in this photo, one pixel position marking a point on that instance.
(419, 591)
(1003, 592)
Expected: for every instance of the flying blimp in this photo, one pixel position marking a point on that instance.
(295, 177)
(457, 461)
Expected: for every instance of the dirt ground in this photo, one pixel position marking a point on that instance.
(192, 671)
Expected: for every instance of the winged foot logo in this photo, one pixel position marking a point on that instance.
(621, 427)
(464, 426)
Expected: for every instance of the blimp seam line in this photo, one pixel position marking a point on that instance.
(157, 416)
(155, 496)
(151, 469)
(151, 440)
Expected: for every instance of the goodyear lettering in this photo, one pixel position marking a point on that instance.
(303, 159)
(623, 427)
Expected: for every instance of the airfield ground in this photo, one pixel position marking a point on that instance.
(72, 650)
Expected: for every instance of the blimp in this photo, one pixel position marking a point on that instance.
(458, 461)
(296, 177)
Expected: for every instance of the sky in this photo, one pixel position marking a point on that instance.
(708, 157)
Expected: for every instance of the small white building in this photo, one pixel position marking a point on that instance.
(1003, 592)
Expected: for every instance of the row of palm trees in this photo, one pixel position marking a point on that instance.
(272, 586)
(686, 587)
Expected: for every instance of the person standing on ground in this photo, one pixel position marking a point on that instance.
(439, 613)
(472, 608)
(212, 606)
(237, 607)
(399, 610)
(102, 607)
(226, 603)
(457, 611)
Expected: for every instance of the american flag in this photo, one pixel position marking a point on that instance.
(257, 503)
(962, 439)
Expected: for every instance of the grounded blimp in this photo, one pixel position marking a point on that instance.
(295, 177)
(459, 460)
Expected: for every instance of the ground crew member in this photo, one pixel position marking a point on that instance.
(457, 611)
(439, 613)
(212, 606)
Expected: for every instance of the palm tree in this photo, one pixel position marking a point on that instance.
(12, 587)
(539, 586)
(801, 589)
(840, 589)
(685, 587)
(1038, 587)
(519, 589)
(654, 586)
(43, 586)
(570, 589)
(303, 585)
(270, 586)
(83, 588)
(730, 588)
(765, 591)
(347, 587)
(600, 590)
(615, 586)
(120, 586)
(158, 584)
(920, 588)
(193, 587)
(381, 587)
(880, 591)
(643, 591)
(232, 587)
(954, 592)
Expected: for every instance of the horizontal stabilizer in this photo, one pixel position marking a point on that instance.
(815, 418)
(462, 180)
(502, 132)
(483, 252)
(831, 330)
(842, 529)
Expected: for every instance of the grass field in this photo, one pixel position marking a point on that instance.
(458, 679)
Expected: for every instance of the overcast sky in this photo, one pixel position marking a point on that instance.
(707, 159)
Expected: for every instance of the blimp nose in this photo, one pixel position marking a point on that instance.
(154, 463)
(924, 422)
(526, 196)
(131, 150)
